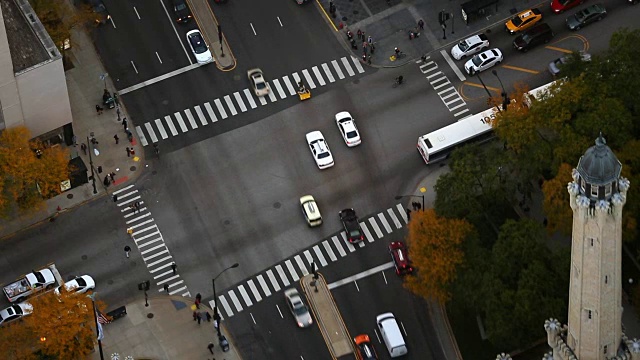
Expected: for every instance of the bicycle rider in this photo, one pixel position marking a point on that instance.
(399, 79)
(397, 51)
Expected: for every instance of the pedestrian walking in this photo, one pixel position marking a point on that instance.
(112, 175)
(195, 316)
(365, 45)
(370, 40)
(127, 250)
(116, 138)
(364, 50)
(173, 268)
(99, 109)
(349, 35)
(359, 33)
(166, 288)
(129, 135)
(94, 141)
(421, 24)
(83, 147)
(199, 316)
(136, 206)
(128, 152)
(106, 181)
(369, 58)
(408, 214)
(210, 347)
(363, 36)
(124, 124)
(353, 44)
(115, 198)
(208, 316)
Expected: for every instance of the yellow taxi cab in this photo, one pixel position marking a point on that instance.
(523, 20)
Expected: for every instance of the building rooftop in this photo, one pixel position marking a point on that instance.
(599, 165)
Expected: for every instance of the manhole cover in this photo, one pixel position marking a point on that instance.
(133, 168)
(277, 205)
(69, 196)
(150, 315)
(84, 257)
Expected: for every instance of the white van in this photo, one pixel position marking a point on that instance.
(391, 334)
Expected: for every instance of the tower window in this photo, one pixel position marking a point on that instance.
(589, 313)
(583, 185)
(591, 241)
(594, 190)
(606, 279)
(606, 347)
(607, 190)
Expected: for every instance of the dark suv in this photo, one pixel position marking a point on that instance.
(537, 35)
(351, 225)
(180, 8)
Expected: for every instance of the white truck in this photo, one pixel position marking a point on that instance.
(30, 283)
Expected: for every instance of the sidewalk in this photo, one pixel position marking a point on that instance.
(165, 330)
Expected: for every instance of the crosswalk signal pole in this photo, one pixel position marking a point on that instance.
(220, 39)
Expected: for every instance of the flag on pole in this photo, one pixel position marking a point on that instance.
(102, 319)
(100, 332)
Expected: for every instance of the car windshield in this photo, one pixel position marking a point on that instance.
(352, 134)
(81, 282)
(323, 155)
(463, 46)
(198, 44)
(477, 60)
(565, 2)
(526, 38)
(299, 308)
(354, 233)
(181, 7)
(516, 21)
(261, 86)
(581, 16)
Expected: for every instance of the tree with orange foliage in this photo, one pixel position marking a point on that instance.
(556, 201)
(29, 171)
(435, 247)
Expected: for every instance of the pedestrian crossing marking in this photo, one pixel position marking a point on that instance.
(159, 261)
(140, 246)
(201, 117)
(296, 77)
(356, 62)
(140, 217)
(176, 284)
(140, 238)
(434, 75)
(281, 92)
(336, 67)
(160, 127)
(441, 85)
(385, 223)
(191, 119)
(338, 246)
(263, 285)
(153, 248)
(235, 301)
(243, 108)
(349, 245)
(373, 223)
(232, 108)
(141, 136)
(308, 79)
(402, 213)
(183, 126)
(254, 290)
(172, 128)
(329, 250)
(457, 107)
(221, 110)
(394, 218)
(347, 66)
(307, 255)
(316, 71)
(160, 267)
(320, 256)
(168, 279)
(152, 133)
(283, 277)
(461, 112)
(222, 300)
(289, 85)
(292, 270)
(366, 232)
(303, 269)
(212, 115)
(177, 290)
(327, 72)
(273, 280)
(166, 251)
(245, 296)
(453, 93)
(247, 94)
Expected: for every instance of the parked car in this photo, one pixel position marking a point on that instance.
(470, 46)
(199, 48)
(310, 210)
(591, 14)
(560, 6)
(100, 11)
(79, 285)
(365, 348)
(348, 129)
(400, 258)
(181, 11)
(351, 225)
(15, 312)
(537, 35)
(556, 65)
(319, 149)
(297, 307)
(523, 20)
(258, 84)
(483, 61)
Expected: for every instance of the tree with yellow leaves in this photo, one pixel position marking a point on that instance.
(29, 172)
(435, 248)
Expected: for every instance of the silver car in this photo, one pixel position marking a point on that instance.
(297, 307)
(556, 65)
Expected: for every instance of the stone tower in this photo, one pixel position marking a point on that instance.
(594, 330)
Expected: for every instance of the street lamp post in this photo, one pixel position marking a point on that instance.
(216, 316)
(485, 89)
(398, 197)
(505, 98)
(95, 318)
(93, 175)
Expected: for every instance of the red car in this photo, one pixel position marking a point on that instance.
(400, 258)
(559, 6)
(365, 348)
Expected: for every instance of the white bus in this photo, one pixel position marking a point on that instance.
(439, 144)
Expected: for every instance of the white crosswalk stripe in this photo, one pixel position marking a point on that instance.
(222, 300)
(307, 255)
(191, 119)
(245, 296)
(212, 115)
(232, 108)
(201, 117)
(254, 291)
(303, 269)
(328, 73)
(152, 133)
(318, 75)
(384, 223)
(160, 127)
(221, 111)
(296, 78)
(289, 85)
(337, 68)
(349, 245)
(141, 136)
(329, 250)
(273, 280)
(356, 62)
(308, 78)
(247, 94)
(347, 66)
(172, 128)
(263, 101)
(292, 270)
(235, 301)
(283, 276)
(367, 233)
(263, 285)
(338, 246)
(243, 108)
(281, 92)
(373, 223)
(183, 126)
(460, 113)
(319, 255)
(271, 93)
(402, 213)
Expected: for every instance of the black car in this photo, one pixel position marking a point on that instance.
(537, 35)
(180, 8)
(593, 13)
(100, 11)
(351, 225)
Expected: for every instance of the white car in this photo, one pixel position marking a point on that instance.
(310, 210)
(258, 84)
(298, 308)
(199, 47)
(348, 129)
(483, 61)
(320, 149)
(79, 285)
(14, 312)
(470, 46)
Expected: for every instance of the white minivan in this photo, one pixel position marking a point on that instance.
(390, 332)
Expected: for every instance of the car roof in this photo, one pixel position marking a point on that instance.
(529, 13)
(193, 32)
(474, 40)
(314, 135)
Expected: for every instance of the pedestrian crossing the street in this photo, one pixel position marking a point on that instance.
(445, 90)
(149, 241)
(242, 101)
(289, 271)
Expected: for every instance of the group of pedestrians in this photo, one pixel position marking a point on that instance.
(135, 207)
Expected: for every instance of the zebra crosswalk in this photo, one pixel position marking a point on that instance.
(245, 100)
(282, 275)
(149, 241)
(446, 91)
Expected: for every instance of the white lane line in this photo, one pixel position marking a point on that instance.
(301, 266)
(385, 223)
(222, 300)
(366, 231)
(349, 245)
(245, 296)
(183, 126)
(281, 92)
(143, 139)
(212, 115)
(201, 117)
(254, 290)
(453, 65)
(319, 255)
(272, 279)
(271, 94)
(329, 250)
(160, 127)
(356, 62)
(361, 275)
(327, 72)
(402, 213)
(283, 276)
(338, 246)
(461, 112)
(152, 134)
(232, 108)
(235, 301)
(372, 221)
(345, 63)
(172, 128)
(221, 111)
(336, 67)
(289, 85)
(318, 75)
(247, 94)
(192, 120)
(292, 270)
(394, 218)
(243, 108)
(263, 285)
(309, 79)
